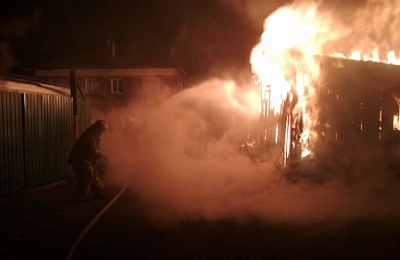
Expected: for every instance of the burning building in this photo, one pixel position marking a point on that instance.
(318, 104)
(357, 105)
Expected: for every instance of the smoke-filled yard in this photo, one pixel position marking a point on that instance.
(187, 165)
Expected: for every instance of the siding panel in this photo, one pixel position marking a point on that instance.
(49, 138)
(36, 136)
(11, 157)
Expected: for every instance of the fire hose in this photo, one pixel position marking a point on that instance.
(92, 222)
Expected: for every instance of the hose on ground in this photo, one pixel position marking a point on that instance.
(92, 222)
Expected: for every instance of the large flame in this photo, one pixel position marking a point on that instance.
(285, 58)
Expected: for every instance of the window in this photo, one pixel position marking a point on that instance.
(92, 85)
(117, 86)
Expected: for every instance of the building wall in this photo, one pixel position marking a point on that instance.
(104, 99)
(138, 84)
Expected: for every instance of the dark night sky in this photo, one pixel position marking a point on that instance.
(209, 36)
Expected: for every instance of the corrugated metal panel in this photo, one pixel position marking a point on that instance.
(11, 143)
(32, 103)
(36, 137)
(48, 136)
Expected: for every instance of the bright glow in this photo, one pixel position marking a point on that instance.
(396, 122)
(305, 153)
(392, 58)
(355, 55)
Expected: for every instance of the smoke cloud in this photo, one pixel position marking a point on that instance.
(186, 164)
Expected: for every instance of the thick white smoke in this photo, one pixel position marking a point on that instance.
(187, 165)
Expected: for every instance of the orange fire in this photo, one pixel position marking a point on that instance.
(284, 59)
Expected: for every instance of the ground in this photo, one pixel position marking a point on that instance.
(44, 224)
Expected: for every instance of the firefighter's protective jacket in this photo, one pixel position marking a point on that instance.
(85, 150)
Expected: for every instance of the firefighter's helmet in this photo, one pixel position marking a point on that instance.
(100, 126)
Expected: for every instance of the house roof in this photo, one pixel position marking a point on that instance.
(125, 56)
(24, 84)
(110, 72)
(102, 63)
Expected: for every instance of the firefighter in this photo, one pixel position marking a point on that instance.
(84, 155)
